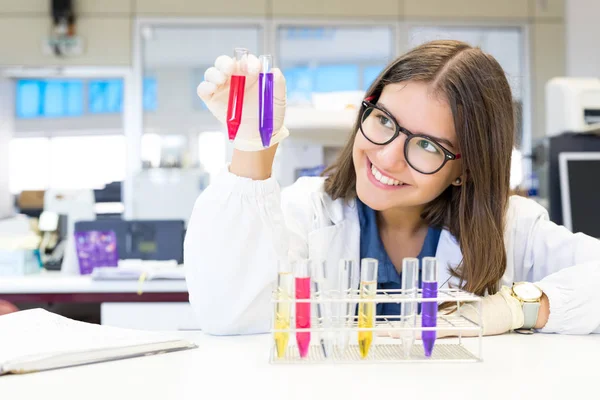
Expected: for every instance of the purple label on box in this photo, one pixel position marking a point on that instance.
(96, 249)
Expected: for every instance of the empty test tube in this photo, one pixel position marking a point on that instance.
(410, 271)
(346, 273)
(323, 308)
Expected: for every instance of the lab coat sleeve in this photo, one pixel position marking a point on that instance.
(566, 266)
(235, 236)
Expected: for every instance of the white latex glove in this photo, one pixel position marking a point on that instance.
(500, 313)
(214, 91)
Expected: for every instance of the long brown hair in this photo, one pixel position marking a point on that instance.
(479, 96)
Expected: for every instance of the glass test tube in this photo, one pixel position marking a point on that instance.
(303, 310)
(323, 309)
(410, 273)
(430, 308)
(237, 87)
(347, 269)
(265, 100)
(366, 309)
(283, 308)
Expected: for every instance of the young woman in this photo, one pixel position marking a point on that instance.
(424, 173)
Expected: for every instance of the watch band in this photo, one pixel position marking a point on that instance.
(530, 314)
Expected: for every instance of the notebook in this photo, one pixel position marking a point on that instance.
(144, 270)
(38, 340)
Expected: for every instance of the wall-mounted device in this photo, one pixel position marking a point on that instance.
(63, 40)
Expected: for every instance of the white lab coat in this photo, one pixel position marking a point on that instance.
(240, 227)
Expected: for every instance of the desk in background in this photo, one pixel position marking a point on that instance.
(163, 304)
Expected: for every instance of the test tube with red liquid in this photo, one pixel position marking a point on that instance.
(265, 100)
(237, 87)
(302, 273)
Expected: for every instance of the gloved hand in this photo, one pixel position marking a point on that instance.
(214, 91)
(500, 313)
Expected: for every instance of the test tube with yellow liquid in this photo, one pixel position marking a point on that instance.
(366, 309)
(283, 308)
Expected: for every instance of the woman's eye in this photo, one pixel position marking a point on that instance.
(428, 146)
(385, 121)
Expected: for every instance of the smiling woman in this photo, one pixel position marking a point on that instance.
(436, 90)
(425, 173)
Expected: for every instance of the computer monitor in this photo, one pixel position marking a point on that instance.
(580, 191)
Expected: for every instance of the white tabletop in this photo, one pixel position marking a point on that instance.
(57, 282)
(514, 367)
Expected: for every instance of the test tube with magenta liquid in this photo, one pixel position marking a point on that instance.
(429, 308)
(366, 309)
(265, 100)
(302, 272)
(283, 308)
(237, 87)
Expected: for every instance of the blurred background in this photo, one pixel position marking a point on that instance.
(101, 129)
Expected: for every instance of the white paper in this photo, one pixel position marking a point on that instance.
(38, 332)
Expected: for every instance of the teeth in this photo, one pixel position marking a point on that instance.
(384, 179)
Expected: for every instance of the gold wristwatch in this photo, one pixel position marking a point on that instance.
(530, 296)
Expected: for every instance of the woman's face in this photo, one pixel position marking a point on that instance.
(419, 111)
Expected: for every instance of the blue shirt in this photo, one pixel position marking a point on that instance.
(371, 246)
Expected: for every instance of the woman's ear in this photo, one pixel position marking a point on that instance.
(460, 180)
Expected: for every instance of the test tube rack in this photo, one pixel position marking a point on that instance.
(459, 330)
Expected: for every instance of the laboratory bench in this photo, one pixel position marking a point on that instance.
(151, 305)
(514, 366)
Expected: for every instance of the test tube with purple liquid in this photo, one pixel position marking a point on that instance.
(265, 100)
(429, 308)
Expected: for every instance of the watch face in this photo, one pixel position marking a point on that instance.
(527, 291)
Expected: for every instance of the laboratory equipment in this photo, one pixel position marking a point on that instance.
(410, 277)
(366, 308)
(578, 172)
(283, 309)
(265, 100)
(76, 205)
(429, 308)
(323, 308)
(237, 87)
(54, 230)
(347, 269)
(96, 249)
(556, 145)
(452, 324)
(154, 191)
(302, 273)
(142, 239)
(572, 105)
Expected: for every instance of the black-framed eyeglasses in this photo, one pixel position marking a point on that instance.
(423, 153)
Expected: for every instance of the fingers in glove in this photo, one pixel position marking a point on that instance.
(215, 76)
(253, 70)
(205, 90)
(225, 64)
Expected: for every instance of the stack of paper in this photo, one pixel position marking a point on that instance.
(37, 340)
